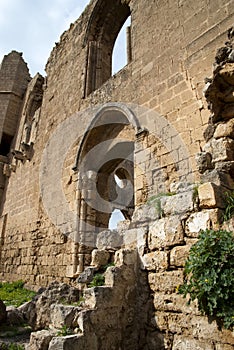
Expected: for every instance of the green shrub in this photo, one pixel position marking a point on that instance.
(11, 346)
(209, 276)
(229, 209)
(64, 331)
(98, 280)
(14, 293)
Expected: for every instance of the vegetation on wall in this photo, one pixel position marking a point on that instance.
(209, 276)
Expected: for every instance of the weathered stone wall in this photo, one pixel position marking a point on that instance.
(173, 48)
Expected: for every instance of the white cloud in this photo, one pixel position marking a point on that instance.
(32, 27)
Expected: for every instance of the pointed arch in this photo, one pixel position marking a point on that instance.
(104, 25)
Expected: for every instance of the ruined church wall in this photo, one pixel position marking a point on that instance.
(173, 48)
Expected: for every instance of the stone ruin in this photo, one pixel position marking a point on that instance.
(153, 142)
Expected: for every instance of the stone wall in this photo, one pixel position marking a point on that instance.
(158, 98)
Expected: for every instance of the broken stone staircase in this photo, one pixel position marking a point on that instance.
(109, 317)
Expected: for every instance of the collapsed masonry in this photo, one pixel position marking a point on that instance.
(149, 143)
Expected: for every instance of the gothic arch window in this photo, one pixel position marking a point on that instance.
(105, 172)
(106, 21)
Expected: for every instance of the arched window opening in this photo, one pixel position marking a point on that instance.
(105, 24)
(116, 217)
(122, 50)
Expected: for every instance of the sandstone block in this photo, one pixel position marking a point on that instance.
(227, 73)
(204, 161)
(87, 275)
(125, 257)
(136, 237)
(202, 220)
(165, 232)
(61, 315)
(178, 204)
(99, 297)
(40, 340)
(166, 282)
(183, 343)
(155, 261)
(14, 316)
(179, 255)
(223, 347)
(222, 149)
(109, 240)
(210, 196)
(171, 302)
(28, 311)
(71, 342)
(225, 130)
(219, 178)
(99, 257)
(145, 213)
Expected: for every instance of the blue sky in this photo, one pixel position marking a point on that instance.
(33, 27)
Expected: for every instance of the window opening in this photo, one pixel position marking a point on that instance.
(105, 24)
(5, 145)
(116, 217)
(122, 49)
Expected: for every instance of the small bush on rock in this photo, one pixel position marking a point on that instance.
(209, 276)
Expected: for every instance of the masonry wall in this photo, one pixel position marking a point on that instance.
(173, 48)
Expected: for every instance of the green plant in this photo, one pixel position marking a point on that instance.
(105, 267)
(229, 209)
(98, 280)
(156, 201)
(14, 293)
(11, 346)
(209, 276)
(64, 331)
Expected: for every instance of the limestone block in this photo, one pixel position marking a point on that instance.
(87, 275)
(155, 261)
(61, 315)
(3, 313)
(136, 237)
(28, 311)
(204, 161)
(225, 130)
(71, 342)
(178, 204)
(219, 178)
(99, 257)
(125, 257)
(166, 282)
(202, 220)
(227, 73)
(40, 340)
(210, 196)
(165, 232)
(208, 332)
(223, 347)
(109, 240)
(171, 302)
(145, 213)
(112, 276)
(179, 255)
(14, 316)
(182, 343)
(99, 296)
(222, 149)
